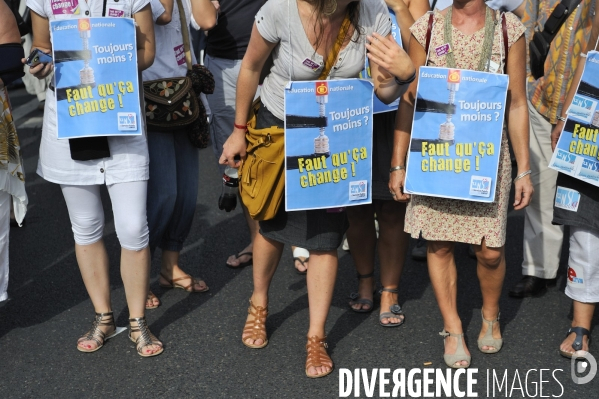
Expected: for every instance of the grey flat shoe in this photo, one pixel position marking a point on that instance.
(395, 311)
(459, 355)
(487, 339)
(355, 297)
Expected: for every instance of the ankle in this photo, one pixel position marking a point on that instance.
(259, 300)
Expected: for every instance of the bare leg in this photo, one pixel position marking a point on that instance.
(254, 227)
(321, 283)
(266, 259)
(135, 272)
(362, 234)
(170, 268)
(443, 275)
(93, 264)
(491, 273)
(583, 316)
(393, 245)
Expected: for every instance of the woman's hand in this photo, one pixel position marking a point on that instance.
(40, 71)
(524, 191)
(396, 185)
(555, 133)
(234, 149)
(385, 52)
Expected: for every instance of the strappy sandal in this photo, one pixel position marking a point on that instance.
(146, 338)
(459, 355)
(255, 328)
(355, 297)
(150, 299)
(96, 334)
(188, 288)
(577, 344)
(487, 339)
(317, 355)
(242, 264)
(394, 311)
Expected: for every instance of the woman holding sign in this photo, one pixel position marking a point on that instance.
(81, 166)
(301, 35)
(468, 35)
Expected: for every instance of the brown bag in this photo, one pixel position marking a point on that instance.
(262, 174)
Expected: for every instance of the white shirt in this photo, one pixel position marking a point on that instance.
(129, 160)
(501, 5)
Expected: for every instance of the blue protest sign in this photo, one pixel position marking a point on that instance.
(576, 151)
(328, 144)
(456, 134)
(96, 78)
(378, 105)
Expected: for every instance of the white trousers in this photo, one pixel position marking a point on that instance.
(583, 265)
(5, 200)
(542, 240)
(128, 207)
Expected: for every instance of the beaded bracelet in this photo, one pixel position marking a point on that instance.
(561, 118)
(523, 174)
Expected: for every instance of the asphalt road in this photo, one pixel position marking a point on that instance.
(49, 309)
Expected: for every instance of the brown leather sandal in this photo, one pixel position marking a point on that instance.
(97, 335)
(317, 355)
(188, 288)
(255, 328)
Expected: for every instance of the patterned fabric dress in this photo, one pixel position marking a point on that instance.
(441, 219)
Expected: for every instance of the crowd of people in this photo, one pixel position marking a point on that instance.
(152, 179)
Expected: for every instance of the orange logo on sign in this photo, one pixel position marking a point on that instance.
(453, 76)
(322, 88)
(84, 24)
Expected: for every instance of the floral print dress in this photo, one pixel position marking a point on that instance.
(442, 219)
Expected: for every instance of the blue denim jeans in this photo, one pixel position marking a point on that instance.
(172, 188)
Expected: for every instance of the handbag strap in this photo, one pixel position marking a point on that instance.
(506, 48)
(429, 32)
(185, 34)
(332, 57)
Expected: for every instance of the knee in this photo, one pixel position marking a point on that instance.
(133, 234)
(439, 249)
(489, 258)
(88, 229)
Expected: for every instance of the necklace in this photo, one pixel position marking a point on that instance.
(487, 45)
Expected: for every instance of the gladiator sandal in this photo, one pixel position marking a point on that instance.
(146, 338)
(96, 334)
(255, 329)
(317, 355)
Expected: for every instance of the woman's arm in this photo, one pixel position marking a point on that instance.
(387, 61)
(9, 32)
(403, 126)
(247, 83)
(406, 13)
(517, 120)
(590, 46)
(167, 16)
(146, 49)
(41, 40)
(204, 13)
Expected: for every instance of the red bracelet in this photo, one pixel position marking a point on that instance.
(244, 127)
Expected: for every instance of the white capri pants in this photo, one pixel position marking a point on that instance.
(5, 200)
(128, 207)
(583, 265)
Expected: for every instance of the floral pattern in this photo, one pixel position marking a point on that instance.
(442, 219)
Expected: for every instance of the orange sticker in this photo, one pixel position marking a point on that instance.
(322, 88)
(84, 24)
(453, 76)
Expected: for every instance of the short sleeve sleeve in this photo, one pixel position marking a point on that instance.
(267, 21)
(382, 24)
(157, 9)
(420, 28)
(138, 5)
(37, 6)
(515, 28)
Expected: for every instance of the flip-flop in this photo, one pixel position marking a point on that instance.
(303, 262)
(242, 264)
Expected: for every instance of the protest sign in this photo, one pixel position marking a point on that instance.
(576, 151)
(96, 78)
(328, 144)
(456, 134)
(378, 105)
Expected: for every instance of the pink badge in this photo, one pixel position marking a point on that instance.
(310, 64)
(61, 7)
(180, 54)
(116, 13)
(443, 49)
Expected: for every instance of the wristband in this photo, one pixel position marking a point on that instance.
(244, 127)
(523, 174)
(561, 118)
(409, 80)
(395, 168)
